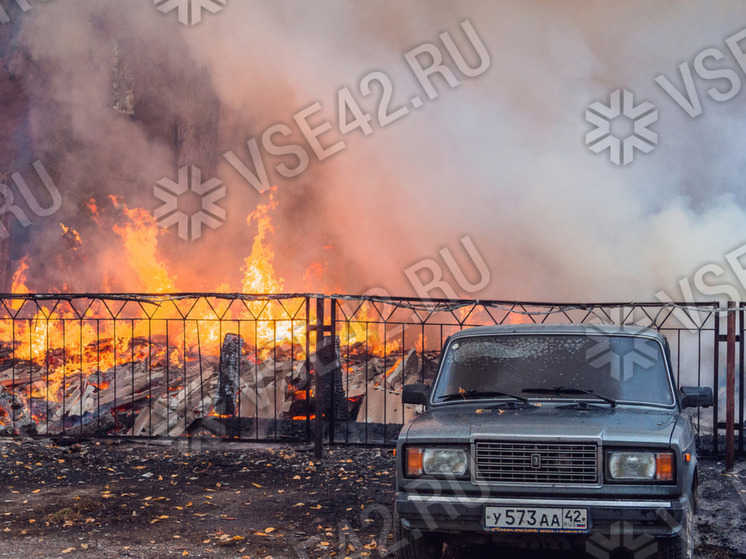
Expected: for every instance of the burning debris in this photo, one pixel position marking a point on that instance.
(150, 387)
(164, 366)
(239, 365)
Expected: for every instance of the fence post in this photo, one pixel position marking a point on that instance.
(716, 383)
(308, 368)
(318, 384)
(332, 374)
(741, 355)
(730, 388)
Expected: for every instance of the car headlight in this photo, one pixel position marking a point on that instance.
(436, 461)
(640, 466)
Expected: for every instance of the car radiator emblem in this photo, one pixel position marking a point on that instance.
(536, 461)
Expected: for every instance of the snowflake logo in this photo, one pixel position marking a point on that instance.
(621, 364)
(621, 127)
(22, 4)
(190, 11)
(189, 223)
(621, 537)
(686, 529)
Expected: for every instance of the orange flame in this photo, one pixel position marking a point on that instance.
(66, 349)
(91, 205)
(72, 236)
(140, 237)
(259, 272)
(18, 285)
(260, 278)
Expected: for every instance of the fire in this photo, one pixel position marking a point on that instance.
(64, 350)
(315, 272)
(260, 278)
(140, 237)
(93, 207)
(71, 235)
(518, 318)
(19, 278)
(259, 272)
(421, 342)
(363, 325)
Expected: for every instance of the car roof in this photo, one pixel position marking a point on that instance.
(567, 329)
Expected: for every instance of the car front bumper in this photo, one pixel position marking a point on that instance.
(464, 516)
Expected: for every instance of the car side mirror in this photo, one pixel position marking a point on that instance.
(415, 394)
(696, 396)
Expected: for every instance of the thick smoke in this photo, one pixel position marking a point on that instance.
(500, 158)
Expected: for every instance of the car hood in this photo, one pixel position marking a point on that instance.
(549, 421)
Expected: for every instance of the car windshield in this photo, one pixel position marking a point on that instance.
(618, 368)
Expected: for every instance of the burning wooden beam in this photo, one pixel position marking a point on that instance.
(228, 375)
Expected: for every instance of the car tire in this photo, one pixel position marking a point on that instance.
(681, 546)
(414, 544)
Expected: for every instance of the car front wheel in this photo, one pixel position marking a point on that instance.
(414, 544)
(680, 546)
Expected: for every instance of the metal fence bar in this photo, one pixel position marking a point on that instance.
(716, 385)
(150, 364)
(741, 347)
(730, 383)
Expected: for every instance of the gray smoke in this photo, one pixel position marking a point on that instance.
(500, 158)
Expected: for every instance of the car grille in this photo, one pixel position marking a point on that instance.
(540, 463)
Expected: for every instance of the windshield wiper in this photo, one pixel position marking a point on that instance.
(559, 390)
(469, 394)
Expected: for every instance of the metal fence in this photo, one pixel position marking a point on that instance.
(290, 367)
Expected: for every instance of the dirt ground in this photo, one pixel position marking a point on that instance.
(102, 499)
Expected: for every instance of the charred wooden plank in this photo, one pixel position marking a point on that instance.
(228, 374)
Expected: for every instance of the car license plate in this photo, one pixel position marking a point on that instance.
(534, 519)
